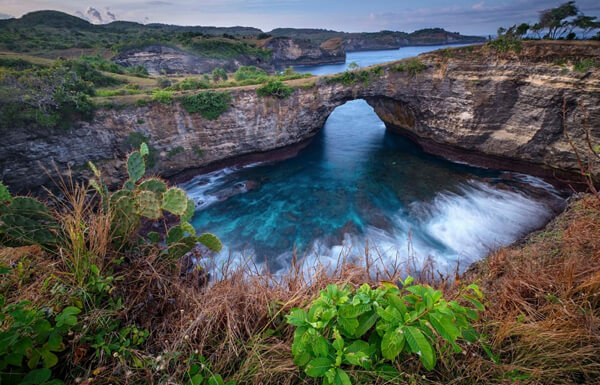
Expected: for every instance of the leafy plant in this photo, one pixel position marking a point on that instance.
(150, 199)
(276, 88)
(219, 74)
(200, 373)
(371, 328)
(249, 72)
(413, 66)
(163, 96)
(30, 340)
(209, 104)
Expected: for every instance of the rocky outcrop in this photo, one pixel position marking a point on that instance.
(285, 52)
(165, 60)
(471, 104)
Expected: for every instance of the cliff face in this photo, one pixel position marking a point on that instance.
(286, 52)
(502, 110)
(163, 60)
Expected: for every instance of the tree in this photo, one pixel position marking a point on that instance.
(522, 29)
(586, 24)
(352, 66)
(555, 19)
(537, 29)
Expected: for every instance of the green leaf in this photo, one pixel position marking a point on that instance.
(36, 377)
(478, 305)
(154, 237)
(348, 325)
(392, 344)
(216, 379)
(318, 366)
(445, 326)
(67, 316)
(54, 341)
(419, 344)
(136, 167)
(174, 235)
(365, 323)
(211, 241)
(196, 379)
(50, 359)
(320, 346)
(297, 317)
(4, 194)
(341, 377)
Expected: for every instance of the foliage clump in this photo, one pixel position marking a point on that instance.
(275, 88)
(209, 104)
(349, 78)
(371, 328)
(163, 96)
(249, 73)
(413, 66)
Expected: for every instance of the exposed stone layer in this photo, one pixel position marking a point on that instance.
(507, 108)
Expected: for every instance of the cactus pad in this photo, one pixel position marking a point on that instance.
(136, 167)
(153, 184)
(211, 241)
(144, 149)
(148, 205)
(189, 211)
(4, 194)
(175, 201)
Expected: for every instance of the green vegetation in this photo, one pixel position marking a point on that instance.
(585, 65)
(209, 104)
(371, 329)
(349, 78)
(163, 96)
(219, 74)
(47, 96)
(136, 139)
(174, 151)
(413, 66)
(275, 88)
(188, 84)
(506, 42)
(249, 73)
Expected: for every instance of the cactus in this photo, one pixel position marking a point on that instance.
(148, 205)
(189, 211)
(211, 241)
(136, 167)
(25, 230)
(144, 149)
(175, 201)
(4, 194)
(153, 184)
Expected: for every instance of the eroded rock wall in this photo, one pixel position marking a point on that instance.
(505, 109)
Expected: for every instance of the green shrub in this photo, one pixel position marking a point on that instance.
(209, 104)
(585, 65)
(413, 66)
(189, 84)
(276, 88)
(163, 82)
(174, 151)
(141, 102)
(249, 72)
(30, 340)
(506, 43)
(370, 329)
(219, 74)
(163, 96)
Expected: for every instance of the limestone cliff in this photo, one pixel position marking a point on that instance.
(502, 110)
(286, 52)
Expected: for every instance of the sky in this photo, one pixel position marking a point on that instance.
(478, 17)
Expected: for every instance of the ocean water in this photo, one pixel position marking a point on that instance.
(367, 58)
(358, 188)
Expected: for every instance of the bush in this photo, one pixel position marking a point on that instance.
(348, 78)
(370, 328)
(219, 74)
(585, 65)
(47, 97)
(276, 88)
(413, 66)
(189, 84)
(249, 72)
(163, 96)
(163, 82)
(506, 43)
(209, 104)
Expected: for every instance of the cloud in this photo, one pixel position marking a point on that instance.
(158, 3)
(5, 16)
(93, 15)
(478, 5)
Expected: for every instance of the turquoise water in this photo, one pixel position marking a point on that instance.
(367, 58)
(356, 187)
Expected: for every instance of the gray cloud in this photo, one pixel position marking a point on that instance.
(94, 15)
(5, 16)
(159, 3)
